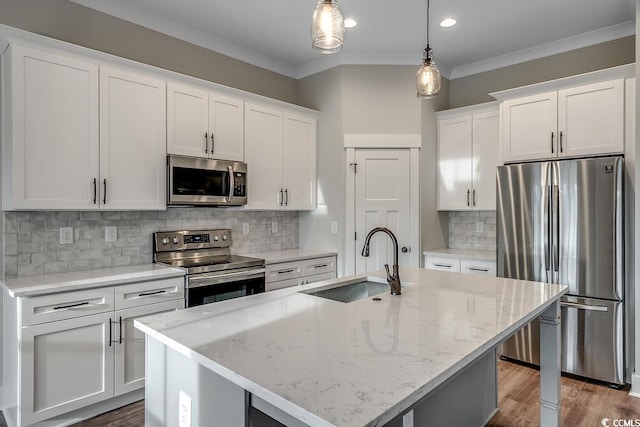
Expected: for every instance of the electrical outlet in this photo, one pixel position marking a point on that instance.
(334, 227)
(184, 410)
(110, 233)
(245, 228)
(66, 235)
(274, 226)
(479, 227)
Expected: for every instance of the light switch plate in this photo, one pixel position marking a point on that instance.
(66, 235)
(245, 228)
(110, 233)
(479, 227)
(334, 227)
(274, 226)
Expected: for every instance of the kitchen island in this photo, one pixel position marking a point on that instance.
(307, 360)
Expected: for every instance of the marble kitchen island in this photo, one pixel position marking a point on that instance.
(425, 356)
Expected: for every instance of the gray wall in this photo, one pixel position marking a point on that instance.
(475, 89)
(70, 22)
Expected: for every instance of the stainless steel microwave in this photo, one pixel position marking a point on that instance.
(206, 182)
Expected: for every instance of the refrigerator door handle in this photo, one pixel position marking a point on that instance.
(584, 306)
(546, 236)
(556, 225)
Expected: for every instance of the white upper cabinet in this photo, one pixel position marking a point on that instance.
(577, 121)
(50, 149)
(468, 153)
(202, 123)
(132, 140)
(62, 149)
(281, 158)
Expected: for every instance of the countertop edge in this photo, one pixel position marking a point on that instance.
(289, 255)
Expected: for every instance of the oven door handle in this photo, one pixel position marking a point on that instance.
(216, 279)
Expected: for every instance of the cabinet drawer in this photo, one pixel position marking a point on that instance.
(319, 277)
(320, 265)
(283, 271)
(478, 267)
(443, 263)
(151, 292)
(66, 305)
(283, 284)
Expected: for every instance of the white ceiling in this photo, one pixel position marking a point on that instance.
(275, 34)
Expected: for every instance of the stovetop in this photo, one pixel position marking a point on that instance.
(206, 264)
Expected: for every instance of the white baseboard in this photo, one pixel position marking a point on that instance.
(635, 385)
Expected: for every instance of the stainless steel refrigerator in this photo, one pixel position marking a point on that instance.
(562, 222)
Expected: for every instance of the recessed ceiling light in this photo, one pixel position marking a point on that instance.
(350, 23)
(449, 22)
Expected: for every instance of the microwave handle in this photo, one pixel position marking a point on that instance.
(232, 182)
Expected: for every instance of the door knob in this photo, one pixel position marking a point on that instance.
(405, 249)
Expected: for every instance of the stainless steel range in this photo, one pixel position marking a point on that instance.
(213, 273)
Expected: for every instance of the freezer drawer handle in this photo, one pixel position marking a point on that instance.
(443, 265)
(478, 269)
(584, 306)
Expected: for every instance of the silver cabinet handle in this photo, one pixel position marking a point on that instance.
(285, 271)
(206, 142)
(584, 306)
(78, 304)
(120, 338)
(104, 196)
(281, 198)
(320, 265)
(474, 197)
(213, 141)
(110, 338)
(477, 269)
(146, 294)
(443, 265)
(561, 141)
(95, 190)
(551, 142)
(468, 198)
(286, 197)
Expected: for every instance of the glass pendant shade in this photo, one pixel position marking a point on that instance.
(327, 27)
(428, 77)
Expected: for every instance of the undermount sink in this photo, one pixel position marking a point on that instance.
(351, 291)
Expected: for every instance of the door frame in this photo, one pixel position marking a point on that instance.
(411, 142)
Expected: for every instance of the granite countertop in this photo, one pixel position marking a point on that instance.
(357, 364)
(275, 257)
(63, 282)
(463, 253)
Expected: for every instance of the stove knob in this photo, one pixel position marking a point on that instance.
(175, 240)
(224, 237)
(165, 240)
(216, 238)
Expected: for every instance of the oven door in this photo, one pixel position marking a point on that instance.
(209, 287)
(193, 181)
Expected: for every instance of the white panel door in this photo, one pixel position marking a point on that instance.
(454, 163)
(529, 127)
(299, 162)
(132, 141)
(54, 131)
(226, 127)
(263, 142)
(486, 158)
(129, 344)
(591, 119)
(382, 199)
(187, 120)
(65, 365)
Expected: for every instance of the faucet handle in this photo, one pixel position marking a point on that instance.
(386, 267)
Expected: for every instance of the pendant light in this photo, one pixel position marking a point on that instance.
(428, 77)
(327, 27)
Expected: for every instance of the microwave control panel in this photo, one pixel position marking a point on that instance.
(239, 189)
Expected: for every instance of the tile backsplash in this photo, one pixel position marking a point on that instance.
(463, 234)
(31, 242)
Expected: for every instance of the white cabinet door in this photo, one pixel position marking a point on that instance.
(263, 142)
(65, 365)
(129, 344)
(442, 263)
(455, 163)
(132, 141)
(51, 157)
(299, 162)
(226, 127)
(472, 266)
(486, 158)
(529, 127)
(591, 119)
(187, 120)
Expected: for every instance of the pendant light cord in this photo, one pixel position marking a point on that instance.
(427, 23)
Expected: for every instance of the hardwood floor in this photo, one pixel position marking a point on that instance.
(584, 402)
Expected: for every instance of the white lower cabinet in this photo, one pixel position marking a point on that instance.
(75, 349)
(459, 264)
(296, 273)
